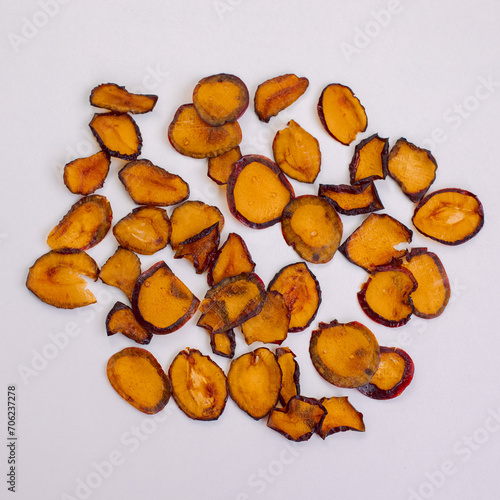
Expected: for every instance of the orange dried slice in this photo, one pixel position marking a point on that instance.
(451, 216)
(312, 227)
(341, 113)
(297, 153)
(221, 166)
(352, 200)
(86, 175)
(116, 98)
(85, 224)
(276, 94)
(55, 278)
(148, 184)
(290, 371)
(341, 416)
(344, 354)
(138, 378)
(121, 319)
(223, 343)
(369, 162)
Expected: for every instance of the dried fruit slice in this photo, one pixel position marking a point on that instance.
(254, 382)
(116, 98)
(344, 354)
(369, 161)
(257, 191)
(413, 168)
(148, 184)
(86, 175)
(190, 136)
(55, 278)
(231, 302)
(224, 343)
(393, 375)
(220, 98)
(373, 243)
(352, 200)
(297, 153)
(270, 326)
(220, 167)
(161, 302)
(121, 319)
(386, 296)
(145, 230)
(290, 371)
(198, 385)
(312, 227)
(299, 420)
(302, 294)
(451, 216)
(341, 416)
(276, 94)
(138, 378)
(117, 134)
(341, 113)
(86, 223)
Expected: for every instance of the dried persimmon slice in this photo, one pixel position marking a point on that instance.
(86, 175)
(341, 416)
(369, 162)
(352, 200)
(223, 343)
(290, 371)
(117, 98)
(221, 166)
(121, 319)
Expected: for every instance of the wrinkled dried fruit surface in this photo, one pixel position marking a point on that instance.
(290, 374)
(121, 270)
(352, 200)
(121, 319)
(224, 343)
(370, 160)
(221, 166)
(86, 175)
(116, 98)
(341, 416)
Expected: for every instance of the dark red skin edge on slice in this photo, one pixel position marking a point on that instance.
(296, 374)
(454, 190)
(318, 291)
(146, 324)
(108, 158)
(372, 391)
(117, 307)
(340, 428)
(355, 160)
(321, 114)
(238, 167)
(232, 342)
(375, 205)
(116, 154)
(151, 96)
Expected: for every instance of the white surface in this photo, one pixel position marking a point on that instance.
(412, 72)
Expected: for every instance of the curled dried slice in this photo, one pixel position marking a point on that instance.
(302, 294)
(161, 302)
(276, 94)
(86, 175)
(116, 98)
(312, 227)
(297, 153)
(121, 270)
(257, 191)
(254, 382)
(451, 216)
(121, 319)
(373, 243)
(341, 416)
(86, 223)
(352, 200)
(117, 134)
(220, 98)
(198, 385)
(290, 371)
(221, 166)
(138, 378)
(344, 354)
(341, 113)
(369, 161)
(148, 184)
(223, 343)
(190, 136)
(55, 278)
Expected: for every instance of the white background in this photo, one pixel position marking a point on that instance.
(424, 70)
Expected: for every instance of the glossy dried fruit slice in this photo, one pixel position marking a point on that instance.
(138, 378)
(161, 302)
(121, 319)
(302, 294)
(86, 175)
(352, 200)
(121, 270)
(254, 382)
(393, 375)
(55, 278)
(220, 167)
(341, 113)
(299, 420)
(386, 296)
(370, 159)
(117, 134)
(257, 191)
(117, 98)
(344, 354)
(145, 230)
(413, 168)
(451, 216)
(290, 371)
(85, 224)
(190, 136)
(276, 94)
(341, 416)
(220, 98)
(312, 227)
(148, 184)
(231, 302)
(198, 385)
(297, 153)
(374, 242)
(224, 343)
